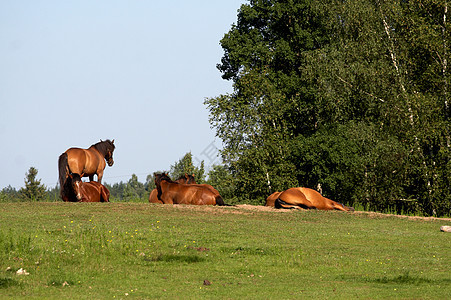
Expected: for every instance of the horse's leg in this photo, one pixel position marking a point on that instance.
(99, 176)
(282, 204)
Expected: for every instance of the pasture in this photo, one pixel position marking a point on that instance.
(141, 250)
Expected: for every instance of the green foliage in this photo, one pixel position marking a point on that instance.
(352, 97)
(133, 189)
(33, 190)
(185, 166)
(222, 180)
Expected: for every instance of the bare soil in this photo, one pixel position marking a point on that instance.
(247, 209)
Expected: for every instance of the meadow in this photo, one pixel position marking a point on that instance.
(150, 251)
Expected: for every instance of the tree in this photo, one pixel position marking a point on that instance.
(33, 190)
(350, 97)
(185, 166)
(222, 180)
(133, 189)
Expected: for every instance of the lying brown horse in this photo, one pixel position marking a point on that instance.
(86, 162)
(171, 192)
(272, 198)
(189, 179)
(305, 198)
(186, 179)
(75, 190)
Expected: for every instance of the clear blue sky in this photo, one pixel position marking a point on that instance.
(75, 72)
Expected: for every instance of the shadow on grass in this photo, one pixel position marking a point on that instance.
(176, 258)
(405, 278)
(8, 282)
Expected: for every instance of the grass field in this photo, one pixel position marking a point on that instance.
(132, 250)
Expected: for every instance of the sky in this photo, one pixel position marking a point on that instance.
(74, 72)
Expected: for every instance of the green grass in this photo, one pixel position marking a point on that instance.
(114, 251)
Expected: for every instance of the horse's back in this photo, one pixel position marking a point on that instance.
(96, 192)
(293, 196)
(194, 195)
(85, 161)
(321, 202)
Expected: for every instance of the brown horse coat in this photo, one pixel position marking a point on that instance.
(86, 162)
(272, 198)
(170, 192)
(306, 198)
(187, 179)
(75, 190)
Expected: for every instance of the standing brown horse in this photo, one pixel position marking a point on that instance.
(306, 198)
(75, 190)
(86, 162)
(171, 192)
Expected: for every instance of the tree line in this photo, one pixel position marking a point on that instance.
(350, 98)
(129, 191)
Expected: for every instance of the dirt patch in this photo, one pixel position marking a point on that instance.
(249, 209)
(381, 215)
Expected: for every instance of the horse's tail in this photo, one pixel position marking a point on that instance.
(63, 168)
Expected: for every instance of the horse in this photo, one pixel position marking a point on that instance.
(171, 192)
(272, 198)
(305, 198)
(86, 162)
(75, 190)
(186, 179)
(189, 179)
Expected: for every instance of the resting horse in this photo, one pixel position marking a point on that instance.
(306, 198)
(272, 199)
(171, 192)
(75, 190)
(189, 179)
(186, 179)
(86, 162)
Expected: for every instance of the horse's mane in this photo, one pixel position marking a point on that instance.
(164, 176)
(104, 146)
(189, 179)
(182, 177)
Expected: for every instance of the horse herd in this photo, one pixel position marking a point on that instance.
(76, 163)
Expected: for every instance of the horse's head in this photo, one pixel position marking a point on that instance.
(160, 177)
(107, 148)
(76, 182)
(190, 179)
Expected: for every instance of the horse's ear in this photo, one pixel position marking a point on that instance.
(112, 142)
